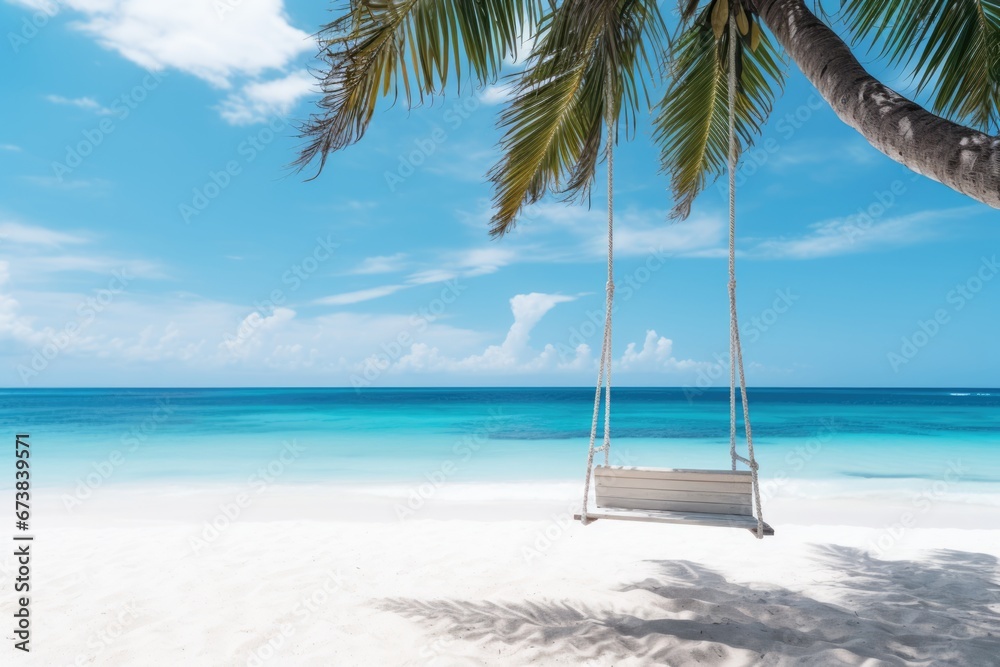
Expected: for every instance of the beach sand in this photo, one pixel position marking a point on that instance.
(499, 576)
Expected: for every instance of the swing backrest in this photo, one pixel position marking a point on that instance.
(705, 491)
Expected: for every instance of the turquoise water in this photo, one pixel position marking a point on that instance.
(192, 436)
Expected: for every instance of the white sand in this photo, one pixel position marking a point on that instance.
(499, 577)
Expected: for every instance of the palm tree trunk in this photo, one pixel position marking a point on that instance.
(962, 158)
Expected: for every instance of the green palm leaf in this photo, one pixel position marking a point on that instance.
(955, 45)
(553, 125)
(692, 123)
(381, 46)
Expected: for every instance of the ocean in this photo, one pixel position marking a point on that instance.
(832, 441)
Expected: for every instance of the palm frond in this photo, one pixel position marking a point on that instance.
(379, 48)
(692, 122)
(553, 125)
(954, 46)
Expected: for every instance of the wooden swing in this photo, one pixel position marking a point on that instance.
(722, 498)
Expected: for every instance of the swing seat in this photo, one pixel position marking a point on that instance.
(722, 498)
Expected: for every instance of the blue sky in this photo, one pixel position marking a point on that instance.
(151, 233)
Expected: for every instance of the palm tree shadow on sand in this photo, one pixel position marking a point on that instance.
(942, 610)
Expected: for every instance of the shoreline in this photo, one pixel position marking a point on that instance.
(480, 501)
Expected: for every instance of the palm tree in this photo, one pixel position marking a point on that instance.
(594, 62)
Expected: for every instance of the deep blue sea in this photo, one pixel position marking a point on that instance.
(195, 436)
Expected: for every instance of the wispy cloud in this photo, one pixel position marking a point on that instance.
(93, 184)
(496, 94)
(824, 153)
(431, 276)
(554, 232)
(10, 147)
(86, 103)
(258, 101)
(359, 296)
(858, 233)
(21, 234)
(480, 261)
(380, 264)
(467, 263)
(99, 264)
(42, 252)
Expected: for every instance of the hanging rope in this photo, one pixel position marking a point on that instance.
(604, 372)
(735, 348)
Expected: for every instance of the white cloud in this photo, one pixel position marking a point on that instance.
(500, 93)
(462, 264)
(467, 263)
(858, 233)
(516, 356)
(638, 232)
(15, 232)
(247, 44)
(557, 232)
(525, 42)
(258, 101)
(247, 338)
(10, 147)
(360, 295)
(90, 264)
(480, 261)
(823, 152)
(50, 7)
(87, 103)
(12, 323)
(190, 339)
(641, 231)
(214, 41)
(380, 264)
(528, 310)
(54, 182)
(656, 354)
(513, 354)
(41, 252)
(431, 276)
